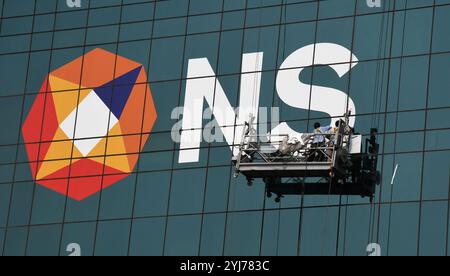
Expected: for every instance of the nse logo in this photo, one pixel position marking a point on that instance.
(88, 124)
(87, 134)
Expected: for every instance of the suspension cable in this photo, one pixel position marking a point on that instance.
(396, 122)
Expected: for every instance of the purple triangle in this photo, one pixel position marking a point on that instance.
(116, 93)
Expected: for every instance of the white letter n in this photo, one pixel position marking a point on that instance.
(203, 85)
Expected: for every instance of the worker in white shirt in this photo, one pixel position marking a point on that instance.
(319, 141)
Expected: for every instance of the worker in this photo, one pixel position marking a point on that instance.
(319, 142)
(335, 131)
(320, 132)
(336, 127)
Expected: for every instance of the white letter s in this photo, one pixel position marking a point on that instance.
(323, 99)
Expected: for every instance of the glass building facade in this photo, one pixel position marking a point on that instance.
(400, 85)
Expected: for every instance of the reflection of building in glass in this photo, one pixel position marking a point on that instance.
(394, 79)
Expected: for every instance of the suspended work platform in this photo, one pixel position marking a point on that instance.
(329, 161)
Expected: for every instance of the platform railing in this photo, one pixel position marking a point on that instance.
(253, 149)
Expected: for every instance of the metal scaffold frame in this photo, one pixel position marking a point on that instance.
(321, 163)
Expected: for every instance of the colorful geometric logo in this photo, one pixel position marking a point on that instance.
(88, 124)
